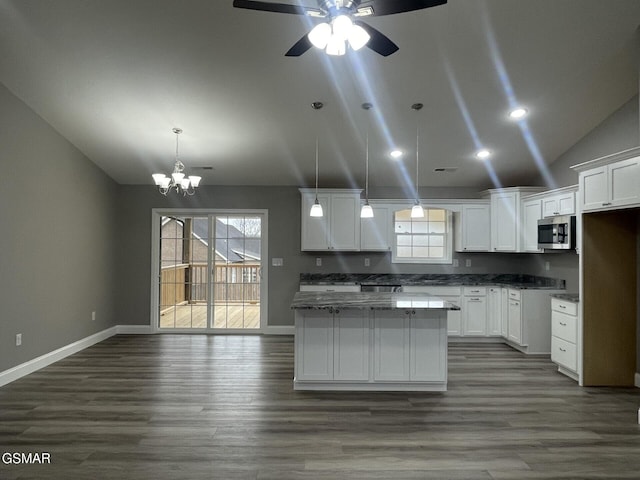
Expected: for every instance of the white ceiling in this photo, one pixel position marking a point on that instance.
(114, 77)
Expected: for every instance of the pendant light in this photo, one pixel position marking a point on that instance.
(417, 211)
(316, 208)
(366, 211)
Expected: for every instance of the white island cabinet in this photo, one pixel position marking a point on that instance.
(370, 341)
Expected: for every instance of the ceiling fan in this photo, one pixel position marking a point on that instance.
(341, 29)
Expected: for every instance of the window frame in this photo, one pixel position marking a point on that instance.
(447, 259)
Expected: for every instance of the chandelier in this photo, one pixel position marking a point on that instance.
(178, 181)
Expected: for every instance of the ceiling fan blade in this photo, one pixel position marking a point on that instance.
(378, 42)
(300, 47)
(270, 7)
(389, 7)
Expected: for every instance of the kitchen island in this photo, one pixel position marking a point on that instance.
(370, 341)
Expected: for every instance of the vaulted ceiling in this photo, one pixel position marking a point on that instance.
(114, 77)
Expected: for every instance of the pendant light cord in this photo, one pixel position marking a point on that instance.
(417, 107)
(316, 169)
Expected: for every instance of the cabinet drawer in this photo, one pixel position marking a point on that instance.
(563, 326)
(515, 294)
(564, 306)
(563, 353)
(475, 291)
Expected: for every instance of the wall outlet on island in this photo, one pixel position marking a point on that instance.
(367, 262)
(318, 262)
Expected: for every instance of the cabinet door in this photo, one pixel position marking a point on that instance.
(351, 345)
(515, 321)
(504, 221)
(550, 206)
(428, 359)
(475, 316)
(454, 317)
(504, 307)
(314, 345)
(315, 230)
(531, 213)
(375, 233)
(566, 203)
(344, 219)
(476, 228)
(494, 312)
(594, 188)
(624, 182)
(391, 345)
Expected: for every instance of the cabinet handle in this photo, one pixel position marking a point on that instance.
(413, 312)
(556, 213)
(563, 324)
(562, 306)
(474, 299)
(562, 349)
(606, 204)
(406, 312)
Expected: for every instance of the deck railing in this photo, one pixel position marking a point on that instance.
(187, 283)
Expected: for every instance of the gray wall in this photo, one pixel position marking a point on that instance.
(57, 243)
(620, 131)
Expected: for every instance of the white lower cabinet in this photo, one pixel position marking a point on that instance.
(351, 345)
(514, 327)
(564, 334)
(314, 344)
(364, 349)
(494, 311)
(448, 294)
(529, 320)
(474, 312)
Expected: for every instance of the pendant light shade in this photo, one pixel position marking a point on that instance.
(366, 211)
(417, 211)
(316, 208)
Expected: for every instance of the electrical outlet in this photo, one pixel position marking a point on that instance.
(456, 263)
(367, 262)
(547, 266)
(318, 262)
(93, 316)
(467, 262)
(277, 262)
(18, 339)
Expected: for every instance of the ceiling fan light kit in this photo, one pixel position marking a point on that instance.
(340, 29)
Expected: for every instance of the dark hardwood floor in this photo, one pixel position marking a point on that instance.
(222, 407)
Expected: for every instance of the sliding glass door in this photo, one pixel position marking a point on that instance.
(210, 271)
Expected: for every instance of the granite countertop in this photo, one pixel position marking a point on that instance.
(503, 279)
(569, 297)
(369, 301)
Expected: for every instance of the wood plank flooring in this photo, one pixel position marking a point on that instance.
(222, 407)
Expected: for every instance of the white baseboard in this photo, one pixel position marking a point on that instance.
(134, 329)
(280, 330)
(48, 358)
(637, 380)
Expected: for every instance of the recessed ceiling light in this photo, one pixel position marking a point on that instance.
(482, 154)
(395, 153)
(518, 113)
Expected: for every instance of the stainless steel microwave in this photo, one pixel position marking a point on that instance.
(557, 233)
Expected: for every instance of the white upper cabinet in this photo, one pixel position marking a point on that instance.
(506, 218)
(610, 182)
(338, 228)
(472, 226)
(560, 203)
(375, 233)
(531, 213)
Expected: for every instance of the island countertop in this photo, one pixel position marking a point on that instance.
(369, 301)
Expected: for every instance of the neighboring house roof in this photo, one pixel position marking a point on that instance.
(230, 243)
